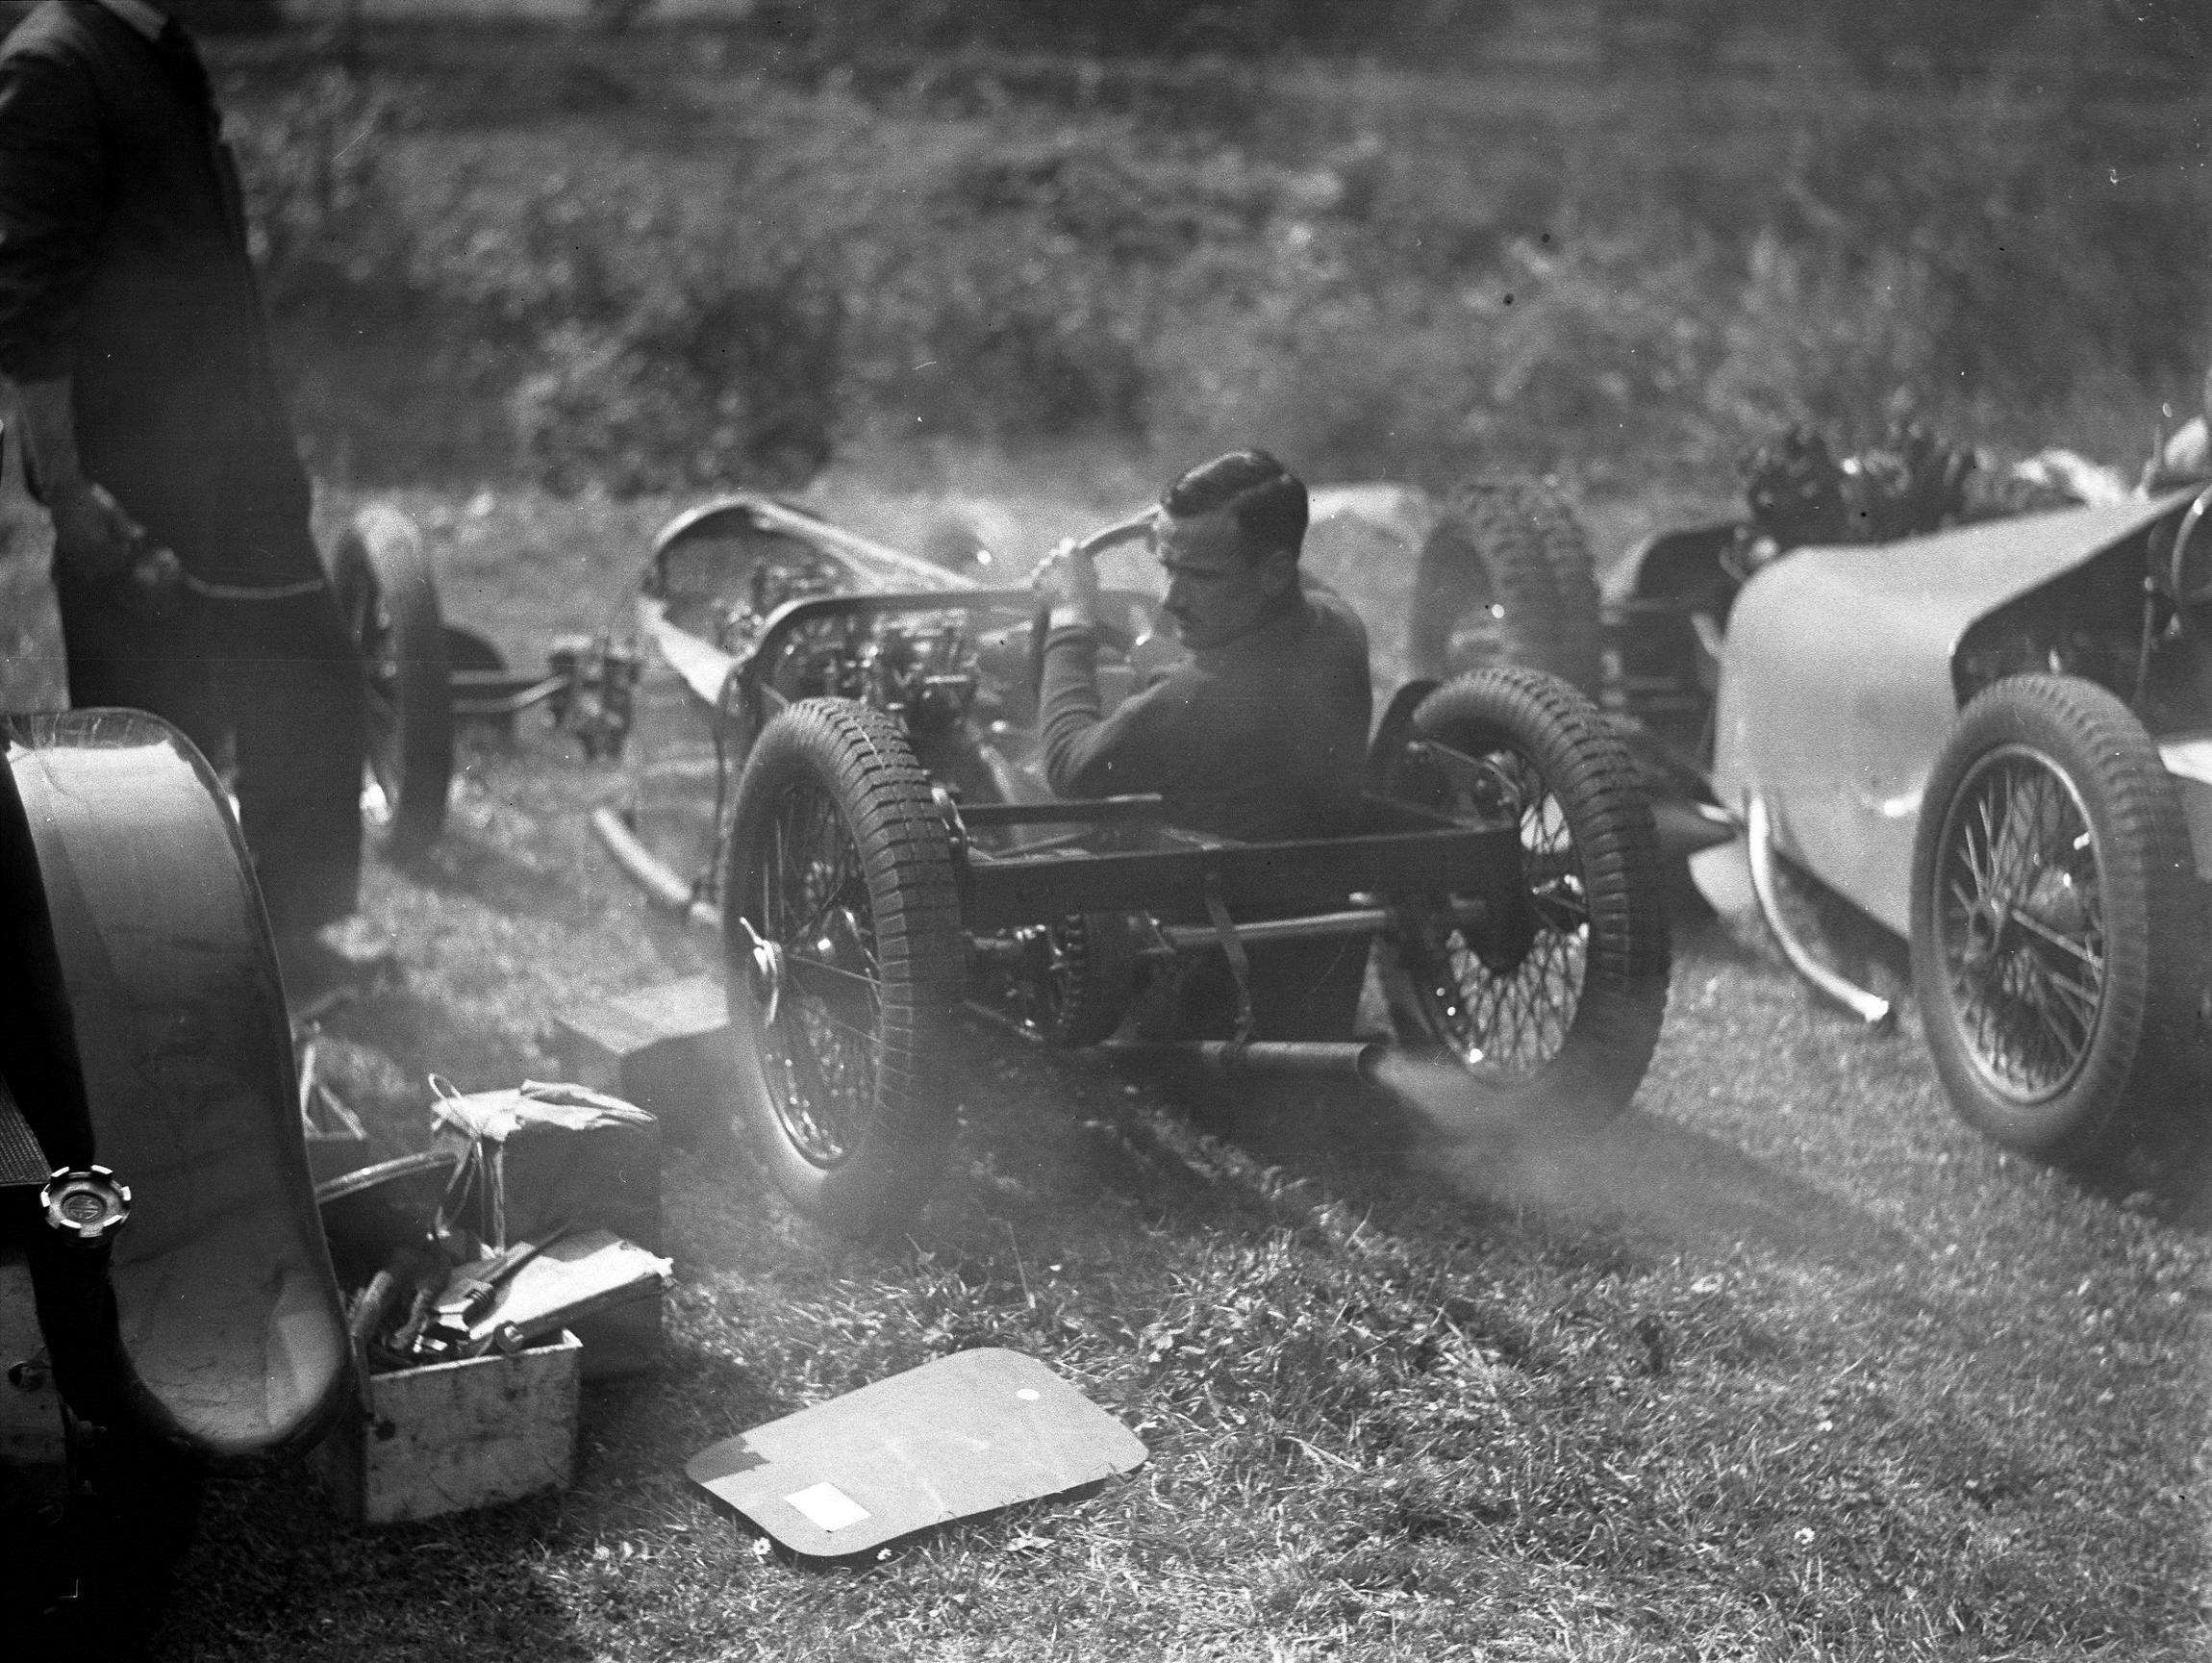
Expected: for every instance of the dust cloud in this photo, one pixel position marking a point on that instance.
(1634, 1169)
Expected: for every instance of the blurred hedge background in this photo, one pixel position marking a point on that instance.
(1620, 240)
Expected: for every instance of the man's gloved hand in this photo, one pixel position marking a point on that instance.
(93, 538)
(96, 541)
(2183, 459)
(1068, 581)
(157, 580)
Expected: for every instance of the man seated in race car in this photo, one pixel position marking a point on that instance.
(1261, 732)
(1259, 735)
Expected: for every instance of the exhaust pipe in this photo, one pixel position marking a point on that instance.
(1260, 1059)
(1869, 1007)
(661, 885)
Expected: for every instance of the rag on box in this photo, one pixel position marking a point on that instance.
(546, 1154)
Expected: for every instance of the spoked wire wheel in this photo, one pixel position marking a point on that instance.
(2059, 955)
(845, 957)
(1555, 1002)
(387, 595)
(2020, 922)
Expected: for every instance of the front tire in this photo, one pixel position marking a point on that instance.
(846, 962)
(387, 593)
(1560, 1011)
(2057, 939)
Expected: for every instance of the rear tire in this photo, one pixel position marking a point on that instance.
(1564, 1020)
(387, 593)
(2057, 930)
(1506, 577)
(839, 862)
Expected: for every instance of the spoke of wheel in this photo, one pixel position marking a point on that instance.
(1985, 872)
(1524, 1016)
(777, 885)
(827, 826)
(1962, 901)
(2004, 856)
(1980, 853)
(809, 1086)
(818, 968)
(2041, 931)
(2087, 997)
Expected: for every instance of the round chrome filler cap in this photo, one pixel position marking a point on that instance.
(87, 1204)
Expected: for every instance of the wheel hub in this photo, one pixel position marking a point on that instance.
(1988, 930)
(767, 959)
(2058, 901)
(1502, 937)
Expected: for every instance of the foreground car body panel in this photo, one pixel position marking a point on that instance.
(1838, 683)
(228, 1311)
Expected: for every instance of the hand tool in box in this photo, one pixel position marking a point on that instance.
(471, 1297)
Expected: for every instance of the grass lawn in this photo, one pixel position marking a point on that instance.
(1786, 1362)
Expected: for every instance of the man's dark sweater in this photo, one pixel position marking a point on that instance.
(123, 266)
(1259, 739)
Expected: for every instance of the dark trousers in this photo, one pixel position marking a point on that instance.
(281, 681)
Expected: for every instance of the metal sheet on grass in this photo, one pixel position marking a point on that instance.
(962, 1435)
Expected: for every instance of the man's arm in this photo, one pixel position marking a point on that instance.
(93, 538)
(1137, 749)
(53, 196)
(1084, 756)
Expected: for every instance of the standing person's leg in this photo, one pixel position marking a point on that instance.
(290, 678)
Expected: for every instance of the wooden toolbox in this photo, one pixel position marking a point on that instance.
(448, 1437)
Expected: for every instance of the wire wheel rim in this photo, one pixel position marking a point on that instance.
(1508, 1027)
(820, 1071)
(2019, 920)
(369, 622)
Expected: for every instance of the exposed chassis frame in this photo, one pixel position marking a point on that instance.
(1184, 879)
